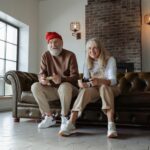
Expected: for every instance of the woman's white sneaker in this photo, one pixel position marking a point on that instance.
(64, 121)
(47, 122)
(67, 129)
(111, 133)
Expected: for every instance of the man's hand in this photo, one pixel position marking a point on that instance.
(43, 80)
(56, 79)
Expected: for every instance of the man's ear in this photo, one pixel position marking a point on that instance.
(48, 47)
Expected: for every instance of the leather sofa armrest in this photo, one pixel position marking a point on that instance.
(20, 81)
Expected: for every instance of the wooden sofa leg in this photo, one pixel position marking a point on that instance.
(16, 119)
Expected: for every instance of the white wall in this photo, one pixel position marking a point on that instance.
(56, 15)
(145, 37)
(24, 11)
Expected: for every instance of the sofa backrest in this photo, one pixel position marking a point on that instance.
(134, 82)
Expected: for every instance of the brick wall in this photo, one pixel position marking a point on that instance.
(118, 24)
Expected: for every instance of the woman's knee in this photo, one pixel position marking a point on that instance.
(84, 95)
(85, 90)
(104, 87)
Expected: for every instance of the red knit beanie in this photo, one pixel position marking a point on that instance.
(52, 35)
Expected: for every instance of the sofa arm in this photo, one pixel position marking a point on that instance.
(20, 81)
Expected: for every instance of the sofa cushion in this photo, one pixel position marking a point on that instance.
(27, 97)
(134, 100)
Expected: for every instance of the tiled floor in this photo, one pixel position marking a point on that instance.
(26, 136)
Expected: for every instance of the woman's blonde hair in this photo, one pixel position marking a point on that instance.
(103, 57)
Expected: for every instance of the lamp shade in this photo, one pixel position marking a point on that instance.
(74, 26)
(147, 19)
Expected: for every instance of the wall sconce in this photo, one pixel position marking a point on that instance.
(147, 19)
(75, 27)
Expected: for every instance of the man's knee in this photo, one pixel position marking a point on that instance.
(65, 87)
(35, 86)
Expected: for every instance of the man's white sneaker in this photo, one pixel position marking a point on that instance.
(111, 133)
(64, 121)
(47, 122)
(67, 129)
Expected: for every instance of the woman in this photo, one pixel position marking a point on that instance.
(100, 70)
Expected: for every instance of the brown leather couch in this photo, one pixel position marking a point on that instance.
(132, 106)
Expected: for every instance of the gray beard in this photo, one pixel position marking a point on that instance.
(55, 52)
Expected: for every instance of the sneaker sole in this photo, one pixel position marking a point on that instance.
(63, 133)
(48, 126)
(112, 135)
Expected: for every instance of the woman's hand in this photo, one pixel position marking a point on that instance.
(82, 84)
(95, 81)
(99, 81)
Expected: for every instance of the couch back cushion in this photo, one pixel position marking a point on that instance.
(134, 82)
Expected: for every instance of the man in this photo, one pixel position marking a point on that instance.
(57, 80)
